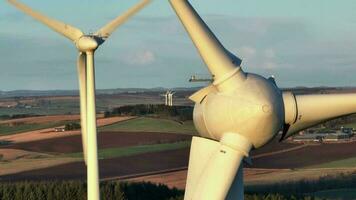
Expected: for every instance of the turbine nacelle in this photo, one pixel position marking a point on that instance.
(87, 43)
(253, 110)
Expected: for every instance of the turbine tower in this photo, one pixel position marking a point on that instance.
(166, 97)
(240, 111)
(170, 98)
(86, 45)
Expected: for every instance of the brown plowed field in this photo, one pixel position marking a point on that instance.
(307, 156)
(71, 144)
(109, 168)
(49, 133)
(273, 146)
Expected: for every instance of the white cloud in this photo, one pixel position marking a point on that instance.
(141, 57)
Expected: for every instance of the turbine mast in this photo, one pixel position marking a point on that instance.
(93, 165)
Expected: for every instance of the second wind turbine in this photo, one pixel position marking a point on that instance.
(86, 45)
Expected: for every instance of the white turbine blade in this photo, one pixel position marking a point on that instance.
(304, 111)
(197, 97)
(66, 30)
(109, 28)
(200, 152)
(93, 165)
(221, 63)
(212, 170)
(83, 101)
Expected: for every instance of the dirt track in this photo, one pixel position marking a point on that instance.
(73, 143)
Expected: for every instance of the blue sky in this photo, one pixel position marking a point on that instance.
(302, 43)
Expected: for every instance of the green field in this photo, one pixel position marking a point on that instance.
(7, 130)
(135, 150)
(152, 125)
(344, 163)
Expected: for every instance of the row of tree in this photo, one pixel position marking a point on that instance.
(112, 190)
(182, 113)
(76, 190)
(17, 116)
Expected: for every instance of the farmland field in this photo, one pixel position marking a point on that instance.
(307, 156)
(110, 168)
(72, 144)
(152, 125)
(55, 105)
(344, 163)
(135, 150)
(7, 130)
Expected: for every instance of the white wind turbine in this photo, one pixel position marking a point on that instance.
(86, 45)
(166, 97)
(240, 111)
(170, 98)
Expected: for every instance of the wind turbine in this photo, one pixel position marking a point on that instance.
(170, 98)
(86, 45)
(241, 111)
(166, 97)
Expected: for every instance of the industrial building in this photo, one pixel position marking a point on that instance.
(343, 134)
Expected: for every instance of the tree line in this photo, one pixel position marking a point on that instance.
(181, 113)
(117, 190)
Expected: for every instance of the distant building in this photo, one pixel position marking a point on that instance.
(59, 129)
(314, 137)
(322, 137)
(336, 137)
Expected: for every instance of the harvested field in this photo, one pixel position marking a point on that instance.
(50, 133)
(15, 154)
(307, 156)
(109, 168)
(26, 164)
(42, 119)
(274, 146)
(177, 178)
(73, 143)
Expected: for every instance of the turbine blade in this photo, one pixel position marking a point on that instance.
(66, 30)
(221, 62)
(213, 167)
(304, 111)
(109, 28)
(82, 77)
(197, 97)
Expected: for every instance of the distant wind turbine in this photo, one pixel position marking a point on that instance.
(86, 45)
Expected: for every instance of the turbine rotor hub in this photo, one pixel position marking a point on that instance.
(87, 44)
(253, 110)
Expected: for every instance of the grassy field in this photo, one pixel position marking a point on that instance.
(7, 130)
(152, 125)
(350, 162)
(135, 150)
